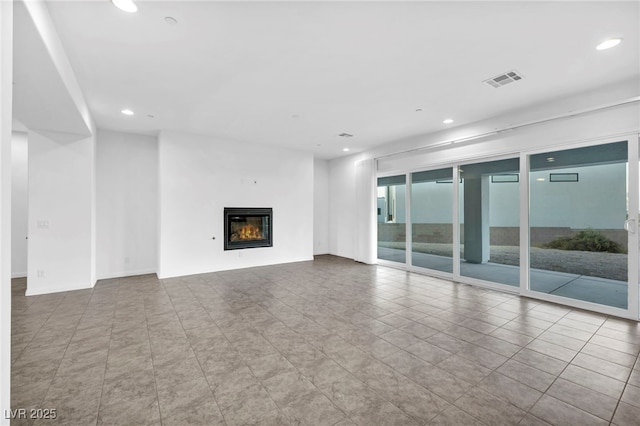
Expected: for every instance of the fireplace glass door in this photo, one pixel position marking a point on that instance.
(248, 228)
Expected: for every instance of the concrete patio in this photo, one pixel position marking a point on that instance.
(581, 287)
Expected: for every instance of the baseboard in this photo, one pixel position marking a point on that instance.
(36, 292)
(123, 274)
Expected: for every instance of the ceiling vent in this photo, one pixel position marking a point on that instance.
(503, 79)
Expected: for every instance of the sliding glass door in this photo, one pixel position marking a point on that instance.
(392, 222)
(579, 201)
(432, 219)
(559, 225)
(489, 212)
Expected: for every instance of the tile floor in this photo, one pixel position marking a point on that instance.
(328, 342)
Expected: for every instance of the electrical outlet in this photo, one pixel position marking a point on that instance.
(127, 260)
(41, 273)
(43, 224)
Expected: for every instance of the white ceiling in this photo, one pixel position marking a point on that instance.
(297, 74)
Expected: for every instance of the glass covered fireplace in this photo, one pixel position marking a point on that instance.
(247, 227)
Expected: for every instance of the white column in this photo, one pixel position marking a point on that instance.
(476, 219)
(61, 209)
(6, 100)
(365, 212)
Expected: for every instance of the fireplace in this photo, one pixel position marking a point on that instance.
(247, 228)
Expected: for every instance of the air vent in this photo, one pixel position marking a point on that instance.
(345, 135)
(504, 79)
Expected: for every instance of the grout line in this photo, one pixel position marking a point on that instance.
(626, 383)
(113, 317)
(153, 367)
(44, 398)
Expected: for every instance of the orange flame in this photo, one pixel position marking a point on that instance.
(249, 232)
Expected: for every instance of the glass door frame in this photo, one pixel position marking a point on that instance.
(455, 231)
(633, 260)
(633, 184)
(407, 242)
(456, 266)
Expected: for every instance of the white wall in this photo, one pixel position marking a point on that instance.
(19, 206)
(127, 204)
(6, 98)
(342, 203)
(60, 213)
(320, 206)
(200, 175)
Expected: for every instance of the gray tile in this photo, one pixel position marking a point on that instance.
(562, 340)
(557, 412)
(602, 366)
(552, 350)
(490, 409)
(464, 333)
(269, 366)
(608, 354)
(418, 330)
(626, 415)
(482, 356)
(453, 416)
(363, 405)
(619, 345)
(400, 338)
(634, 378)
(531, 420)
(593, 380)
(513, 337)
(246, 406)
(437, 380)
(518, 394)
(631, 395)
(291, 344)
(447, 342)
(540, 361)
(498, 346)
(127, 411)
(192, 401)
(464, 369)
(527, 375)
(586, 399)
(428, 352)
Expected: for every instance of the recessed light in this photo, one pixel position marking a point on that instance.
(170, 20)
(345, 135)
(126, 5)
(540, 179)
(151, 116)
(608, 44)
(447, 121)
(418, 109)
(127, 112)
(346, 149)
